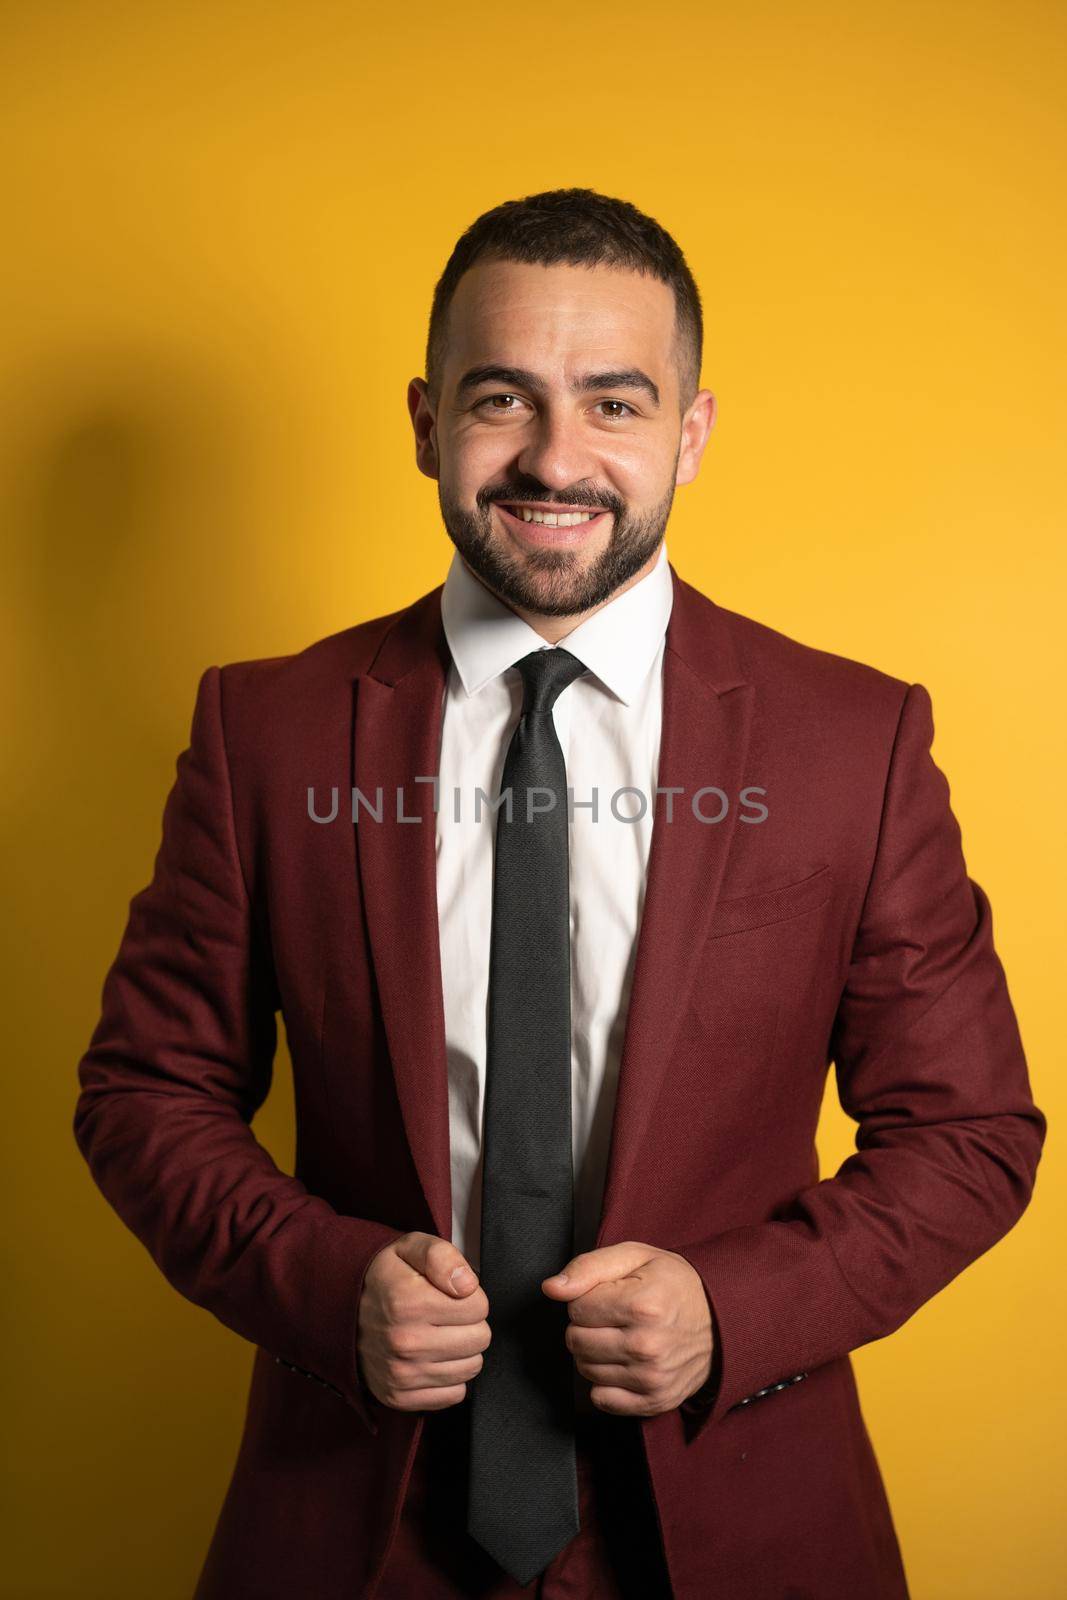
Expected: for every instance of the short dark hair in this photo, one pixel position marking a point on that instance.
(581, 228)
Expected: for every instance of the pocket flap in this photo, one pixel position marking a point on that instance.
(772, 905)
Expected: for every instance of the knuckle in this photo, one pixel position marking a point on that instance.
(394, 1257)
(401, 1341)
(643, 1346)
(442, 1256)
(393, 1302)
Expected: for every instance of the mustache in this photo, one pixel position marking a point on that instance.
(582, 498)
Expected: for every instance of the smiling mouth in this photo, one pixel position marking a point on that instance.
(552, 517)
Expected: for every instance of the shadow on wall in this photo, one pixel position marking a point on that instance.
(124, 480)
(121, 511)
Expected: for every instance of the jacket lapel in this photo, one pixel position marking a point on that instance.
(397, 739)
(706, 722)
(707, 716)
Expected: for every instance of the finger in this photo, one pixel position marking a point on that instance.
(596, 1344)
(609, 1305)
(435, 1374)
(433, 1399)
(583, 1272)
(607, 1373)
(620, 1402)
(419, 1302)
(438, 1343)
(439, 1262)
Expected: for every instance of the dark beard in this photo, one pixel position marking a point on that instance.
(550, 582)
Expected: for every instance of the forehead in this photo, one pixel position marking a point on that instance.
(519, 313)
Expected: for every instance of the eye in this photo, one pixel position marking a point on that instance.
(488, 402)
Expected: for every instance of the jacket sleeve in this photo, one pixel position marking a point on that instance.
(178, 1064)
(930, 1065)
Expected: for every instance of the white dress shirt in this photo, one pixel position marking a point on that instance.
(608, 724)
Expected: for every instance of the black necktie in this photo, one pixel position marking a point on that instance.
(523, 1490)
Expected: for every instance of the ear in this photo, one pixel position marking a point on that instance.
(696, 429)
(423, 413)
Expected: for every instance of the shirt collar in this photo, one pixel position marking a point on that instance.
(618, 643)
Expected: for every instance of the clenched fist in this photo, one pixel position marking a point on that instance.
(640, 1326)
(422, 1324)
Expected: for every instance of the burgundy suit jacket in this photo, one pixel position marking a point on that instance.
(842, 929)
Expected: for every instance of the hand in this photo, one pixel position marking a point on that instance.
(640, 1326)
(422, 1324)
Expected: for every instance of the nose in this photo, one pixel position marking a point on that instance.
(555, 453)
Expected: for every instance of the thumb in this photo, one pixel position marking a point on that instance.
(440, 1263)
(585, 1271)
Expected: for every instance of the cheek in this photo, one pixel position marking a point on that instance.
(639, 468)
(477, 458)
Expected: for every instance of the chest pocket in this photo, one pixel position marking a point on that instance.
(768, 906)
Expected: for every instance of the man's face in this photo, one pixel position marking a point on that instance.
(559, 398)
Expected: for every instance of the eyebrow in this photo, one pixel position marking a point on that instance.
(519, 378)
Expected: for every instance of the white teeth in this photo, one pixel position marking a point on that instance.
(566, 519)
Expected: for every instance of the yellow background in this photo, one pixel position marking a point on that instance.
(225, 222)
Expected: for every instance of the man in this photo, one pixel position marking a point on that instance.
(556, 1301)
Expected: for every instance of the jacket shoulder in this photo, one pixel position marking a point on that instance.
(782, 665)
(275, 706)
(822, 707)
(311, 677)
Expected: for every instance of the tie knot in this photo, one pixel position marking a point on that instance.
(545, 674)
